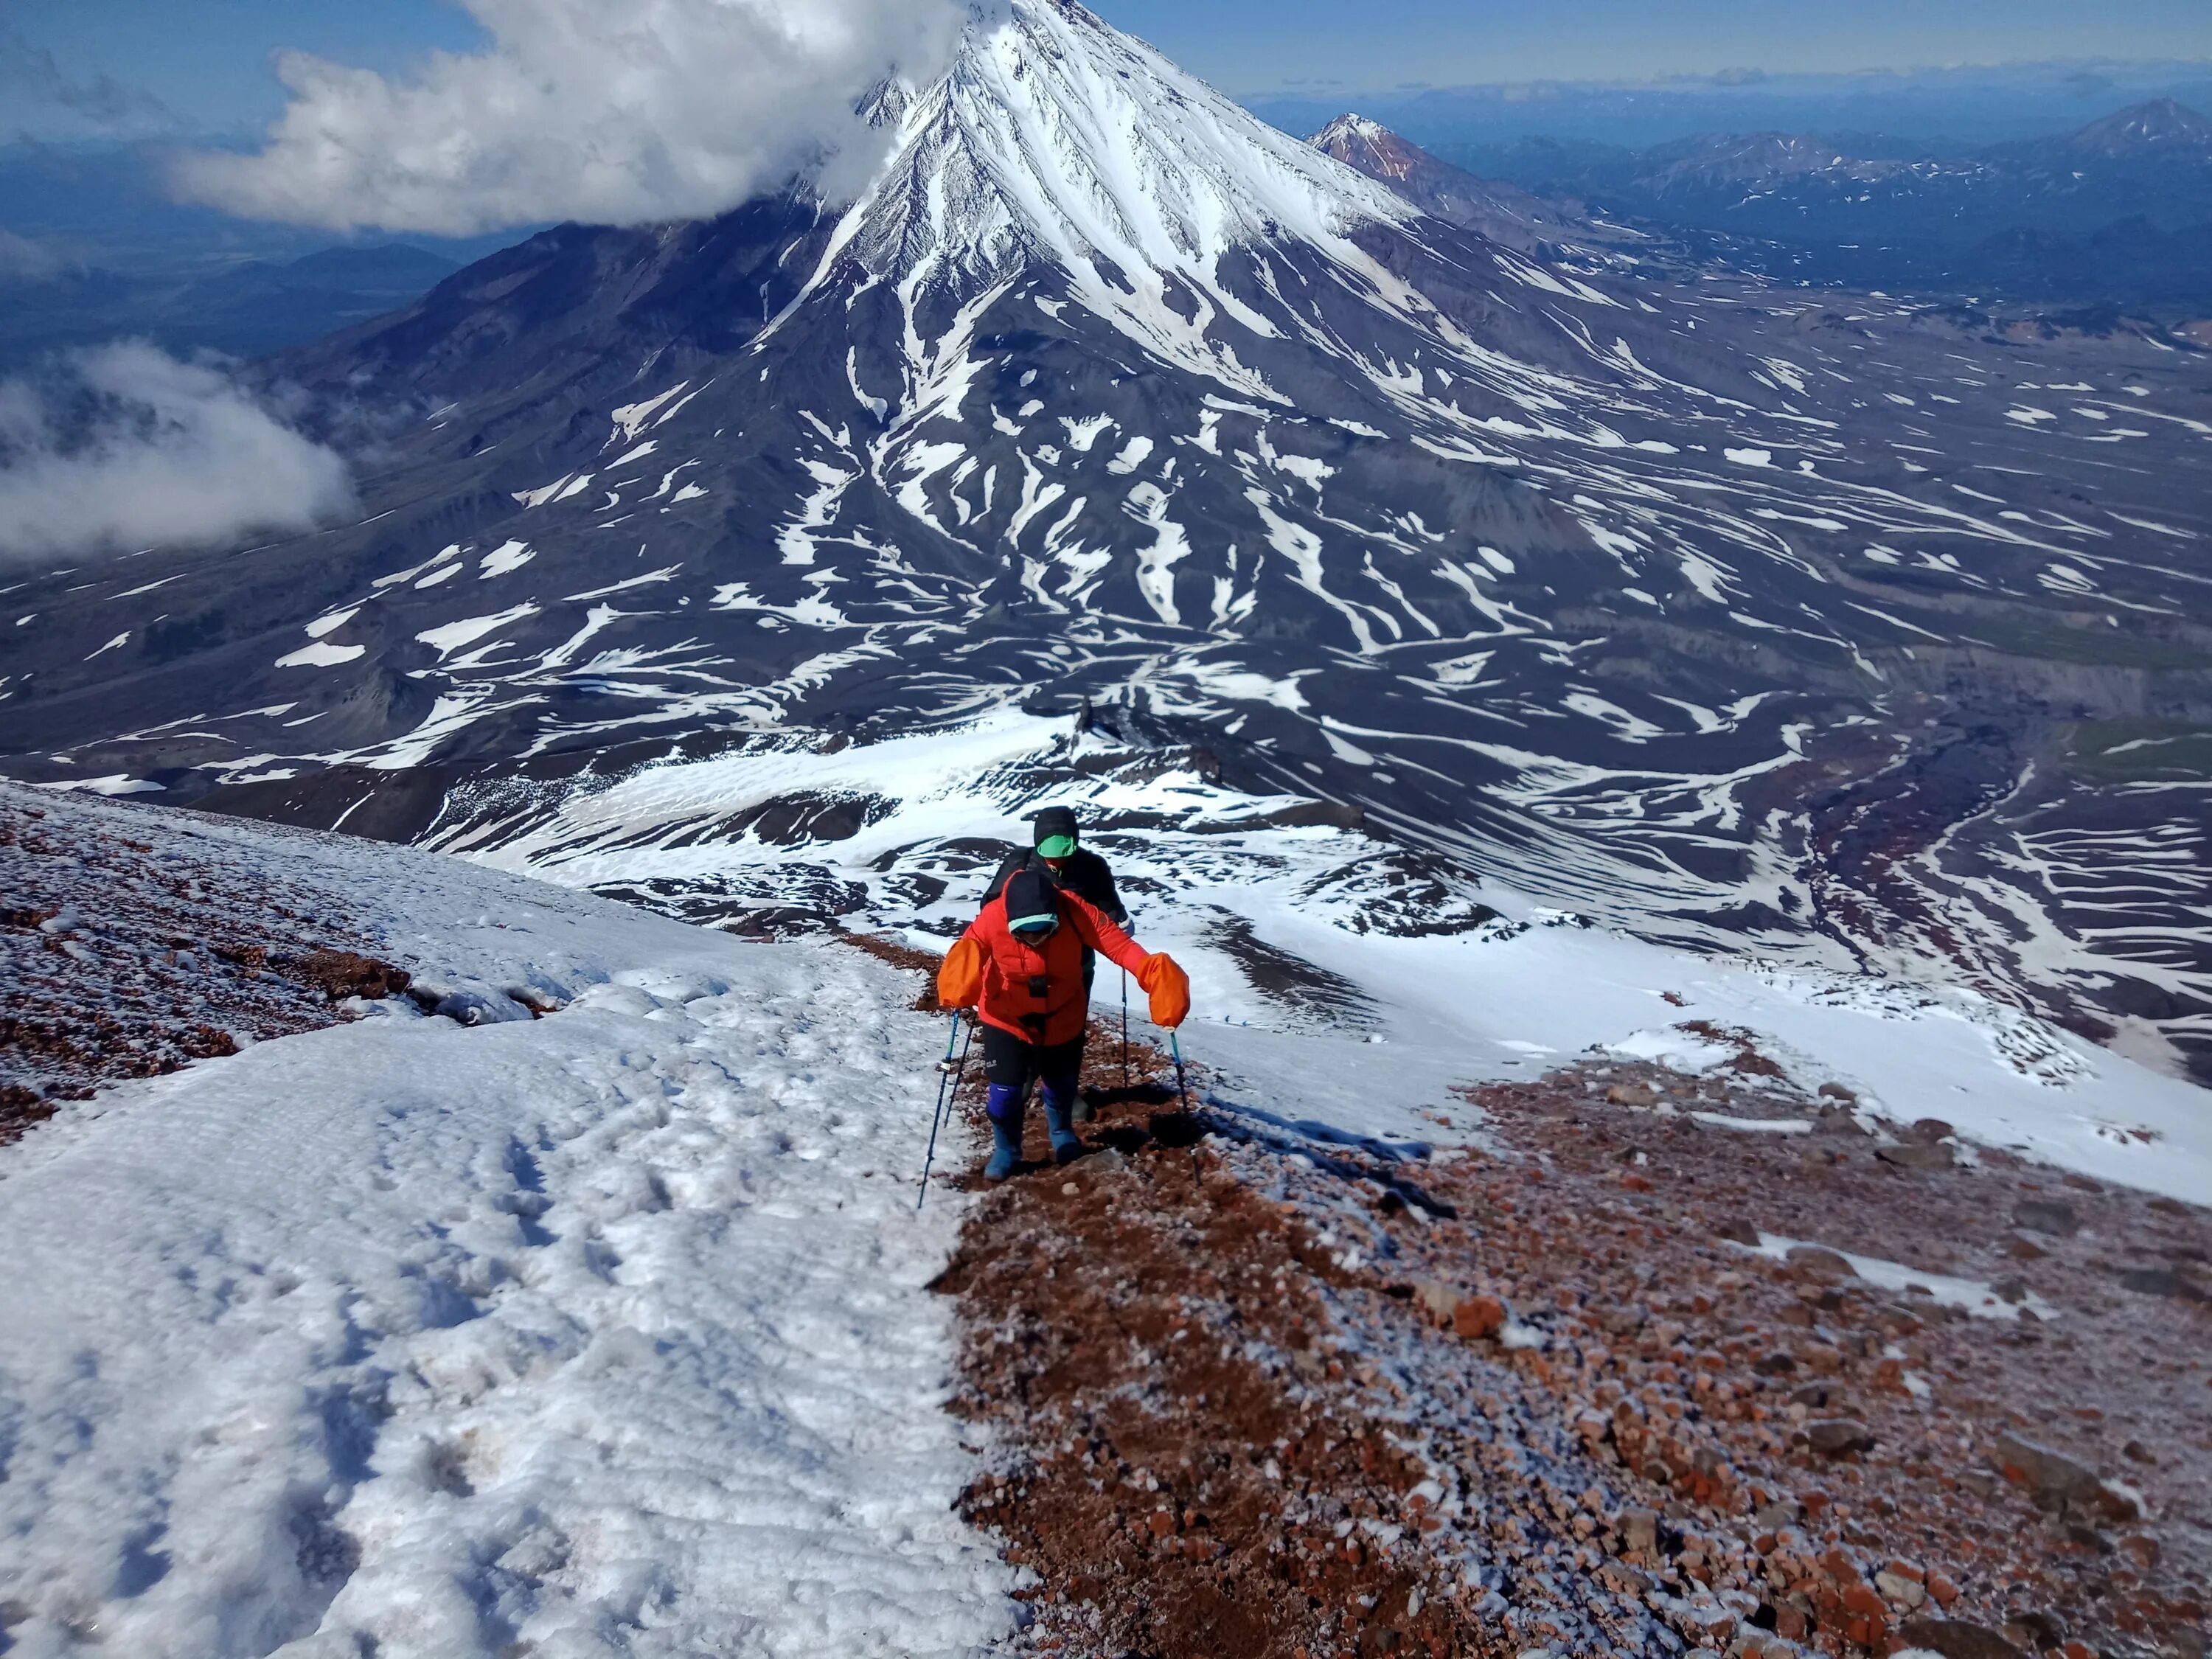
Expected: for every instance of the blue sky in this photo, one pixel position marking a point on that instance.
(208, 59)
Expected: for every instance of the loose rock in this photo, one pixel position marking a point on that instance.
(1639, 1530)
(2047, 1215)
(1923, 1156)
(1834, 1436)
(2043, 1471)
(1478, 1317)
(1817, 1261)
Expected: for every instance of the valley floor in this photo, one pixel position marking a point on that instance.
(577, 1301)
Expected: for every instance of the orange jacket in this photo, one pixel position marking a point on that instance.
(1006, 994)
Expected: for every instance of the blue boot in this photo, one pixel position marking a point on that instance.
(1066, 1146)
(1006, 1109)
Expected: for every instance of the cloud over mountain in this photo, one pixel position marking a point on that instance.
(593, 110)
(134, 449)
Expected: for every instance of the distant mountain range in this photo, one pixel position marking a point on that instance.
(2116, 213)
(2114, 218)
(1961, 108)
(92, 247)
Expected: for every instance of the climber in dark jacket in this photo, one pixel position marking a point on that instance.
(1056, 849)
(1056, 856)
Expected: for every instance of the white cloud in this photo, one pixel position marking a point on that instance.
(607, 112)
(133, 449)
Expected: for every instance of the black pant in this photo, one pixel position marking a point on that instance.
(1015, 1063)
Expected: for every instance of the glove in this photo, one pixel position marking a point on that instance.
(960, 980)
(1168, 988)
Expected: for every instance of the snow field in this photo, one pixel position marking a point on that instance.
(603, 1332)
(1470, 1009)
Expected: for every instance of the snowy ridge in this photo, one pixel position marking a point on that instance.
(602, 1331)
(614, 1320)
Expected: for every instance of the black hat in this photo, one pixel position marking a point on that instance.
(1032, 903)
(1054, 834)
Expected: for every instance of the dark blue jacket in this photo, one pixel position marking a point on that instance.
(1083, 873)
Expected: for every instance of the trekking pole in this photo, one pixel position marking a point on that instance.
(1182, 1088)
(947, 1075)
(1125, 1028)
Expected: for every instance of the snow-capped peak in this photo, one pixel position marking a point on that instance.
(1055, 137)
(1368, 146)
(1056, 142)
(1350, 125)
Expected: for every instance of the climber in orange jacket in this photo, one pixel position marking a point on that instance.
(1020, 966)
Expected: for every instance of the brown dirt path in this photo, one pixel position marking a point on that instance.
(1148, 1338)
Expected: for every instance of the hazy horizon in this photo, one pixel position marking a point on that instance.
(75, 69)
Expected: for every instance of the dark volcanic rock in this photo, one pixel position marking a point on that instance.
(1955, 1639)
(2163, 1281)
(1833, 1437)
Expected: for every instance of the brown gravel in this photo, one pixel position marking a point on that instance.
(1257, 1397)
(2048, 1479)
(1154, 1352)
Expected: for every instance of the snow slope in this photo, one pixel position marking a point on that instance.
(606, 1331)
(600, 1333)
